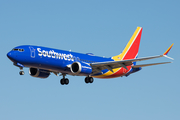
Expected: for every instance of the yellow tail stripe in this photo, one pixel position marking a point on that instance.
(116, 58)
(121, 56)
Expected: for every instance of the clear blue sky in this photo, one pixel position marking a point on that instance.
(102, 27)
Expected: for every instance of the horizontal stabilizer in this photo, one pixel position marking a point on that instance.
(168, 57)
(144, 65)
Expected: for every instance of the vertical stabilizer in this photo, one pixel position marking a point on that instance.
(132, 48)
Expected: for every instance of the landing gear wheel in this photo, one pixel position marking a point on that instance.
(89, 80)
(86, 80)
(21, 72)
(64, 81)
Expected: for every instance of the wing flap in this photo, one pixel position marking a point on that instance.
(145, 65)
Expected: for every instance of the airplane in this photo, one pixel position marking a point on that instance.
(42, 61)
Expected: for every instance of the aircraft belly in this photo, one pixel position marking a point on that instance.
(119, 72)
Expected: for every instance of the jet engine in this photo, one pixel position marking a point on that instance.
(40, 73)
(78, 68)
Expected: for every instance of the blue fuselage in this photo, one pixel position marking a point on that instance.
(50, 59)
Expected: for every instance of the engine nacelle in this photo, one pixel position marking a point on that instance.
(81, 68)
(40, 73)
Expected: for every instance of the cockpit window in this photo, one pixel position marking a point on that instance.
(16, 49)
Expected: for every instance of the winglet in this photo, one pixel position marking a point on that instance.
(165, 54)
(168, 49)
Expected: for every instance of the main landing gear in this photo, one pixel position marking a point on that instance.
(89, 80)
(64, 81)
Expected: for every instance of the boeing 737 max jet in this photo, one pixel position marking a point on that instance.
(42, 61)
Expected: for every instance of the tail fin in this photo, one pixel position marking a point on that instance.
(132, 48)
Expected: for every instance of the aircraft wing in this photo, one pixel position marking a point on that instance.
(116, 64)
(110, 65)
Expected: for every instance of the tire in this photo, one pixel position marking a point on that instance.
(62, 81)
(21, 72)
(66, 81)
(91, 80)
(87, 80)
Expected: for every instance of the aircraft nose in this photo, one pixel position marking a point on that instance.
(9, 55)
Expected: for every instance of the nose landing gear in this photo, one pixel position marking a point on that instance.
(20, 67)
(21, 72)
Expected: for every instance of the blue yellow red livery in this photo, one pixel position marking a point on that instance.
(42, 61)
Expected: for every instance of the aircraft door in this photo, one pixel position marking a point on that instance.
(32, 50)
